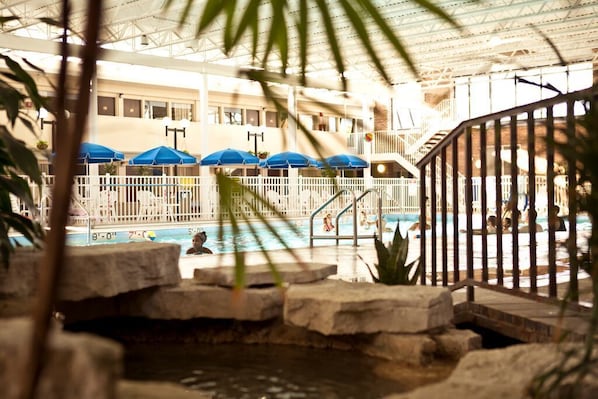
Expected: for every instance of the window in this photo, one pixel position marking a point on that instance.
(213, 115)
(132, 108)
(346, 125)
(271, 119)
(253, 117)
(180, 111)
(232, 116)
(155, 109)
(307, 121)
(106, 106)
(332, 124)
(358, 126)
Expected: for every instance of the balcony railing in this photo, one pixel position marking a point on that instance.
(505, 164)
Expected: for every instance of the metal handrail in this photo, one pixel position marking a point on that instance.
(353, 205)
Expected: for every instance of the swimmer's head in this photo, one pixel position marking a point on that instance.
(199, 239)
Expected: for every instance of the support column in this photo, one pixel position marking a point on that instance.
(204, 171)
(291, 119)
(368, 126)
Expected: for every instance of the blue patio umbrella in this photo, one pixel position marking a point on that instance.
(345, 161)
(230, 156)
(288, 159)
(163, 155)
(97, 153)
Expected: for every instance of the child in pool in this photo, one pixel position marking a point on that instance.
(198, 240)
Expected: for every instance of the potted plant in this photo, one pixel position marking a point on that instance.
(42, 145)
(262, 154)
(111, 168)
(392, 267)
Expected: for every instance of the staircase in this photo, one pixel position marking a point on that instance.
(408, 146)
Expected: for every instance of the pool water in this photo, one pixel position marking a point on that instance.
(237, 371)
(245, 240)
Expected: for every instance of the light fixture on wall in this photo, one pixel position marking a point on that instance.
(144, 40)
(381, 168)
(42, 115)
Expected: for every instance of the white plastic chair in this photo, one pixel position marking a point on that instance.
(276, 200)
(149, 204)
(106, 207)
(307, 201)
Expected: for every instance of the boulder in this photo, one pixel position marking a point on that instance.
(454, 344)
(260, 275)
(505, 373)
(97, 270)
(189, 300)
(339, 307)
(77, 365)
(415, 349)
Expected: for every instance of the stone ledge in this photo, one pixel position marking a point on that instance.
(338, 307)
(189, 300)
(181, 302)
(96, 271)
(262, 274)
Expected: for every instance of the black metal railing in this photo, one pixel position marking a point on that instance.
(460, 248)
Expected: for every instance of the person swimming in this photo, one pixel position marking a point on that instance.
(327, 223)
(198, 240)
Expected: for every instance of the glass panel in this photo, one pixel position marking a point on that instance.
(253, 117)
(271, 119)
(106, 106)
(358, 126)
(232, 116)
(502, 88)
(180, 111)
(307, 121)
(155, 109)
(480, 96)
(132, 108)
(213, 115)
(346, 125)
(332, 124)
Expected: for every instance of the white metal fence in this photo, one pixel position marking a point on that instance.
(130, 200)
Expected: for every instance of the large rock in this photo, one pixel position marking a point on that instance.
(260, 275)
(190, 300)
(338, 307)
(454, 344)
(97, 270)
(77, 365)
(505, 373)
(415, 349)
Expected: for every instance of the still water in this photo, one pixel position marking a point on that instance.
(237, 371)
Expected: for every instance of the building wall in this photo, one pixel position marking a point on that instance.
(132, 135)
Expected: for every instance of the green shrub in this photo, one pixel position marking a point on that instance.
(392, 267)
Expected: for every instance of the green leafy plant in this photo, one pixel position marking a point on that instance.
(111, 168)
(42, 145)
(392, 267)
(16, 160)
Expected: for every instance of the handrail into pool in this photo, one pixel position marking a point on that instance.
(87, 219)
(353, 205)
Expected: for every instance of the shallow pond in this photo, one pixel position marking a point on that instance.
(237, 371)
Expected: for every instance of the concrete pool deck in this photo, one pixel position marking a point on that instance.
(346, 257)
